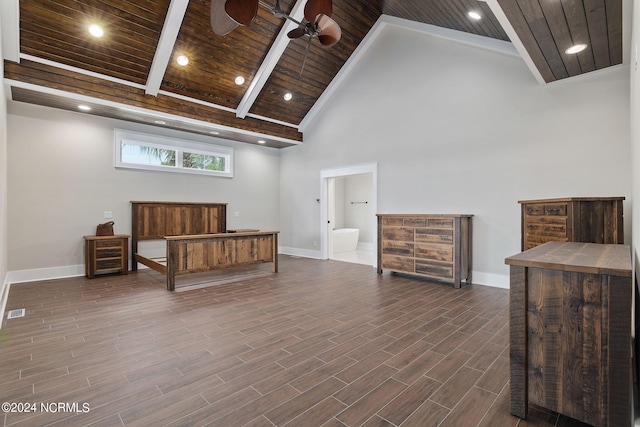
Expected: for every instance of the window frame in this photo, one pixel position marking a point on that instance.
(179, 146)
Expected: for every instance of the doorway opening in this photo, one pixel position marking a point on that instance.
(348, 214)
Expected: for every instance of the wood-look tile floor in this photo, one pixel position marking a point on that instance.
(321, 343)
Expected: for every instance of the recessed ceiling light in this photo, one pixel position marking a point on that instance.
(182, 60)
(262, 141)
(96, 30)
(160, 122)
(576, 48)
(84, 108)
(287, 96)
(239, 80)
(214, 132)
(474, 15)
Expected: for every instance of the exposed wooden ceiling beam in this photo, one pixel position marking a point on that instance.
(270, 61)
(170, 30)
(513, 36)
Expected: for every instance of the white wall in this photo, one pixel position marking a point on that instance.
(3, 188)
(458, 129)
(339, 201)
(358, 189)
(61, 180)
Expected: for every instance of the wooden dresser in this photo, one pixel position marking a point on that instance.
(570, 329)
(434, 246)
(573, 219)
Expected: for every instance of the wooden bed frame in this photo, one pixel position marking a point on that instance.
(197, 239)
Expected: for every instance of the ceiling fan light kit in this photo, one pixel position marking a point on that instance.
(226, 15)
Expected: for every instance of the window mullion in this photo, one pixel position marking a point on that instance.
(179, 159)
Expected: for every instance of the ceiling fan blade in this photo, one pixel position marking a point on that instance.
(296, 33)
(242, 11)
(313, 8)
(221, 24)
(329, 31)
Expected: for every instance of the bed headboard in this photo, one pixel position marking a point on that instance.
(155, 220)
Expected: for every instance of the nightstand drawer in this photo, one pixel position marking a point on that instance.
(109, 243)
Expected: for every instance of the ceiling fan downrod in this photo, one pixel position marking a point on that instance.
(277, 12)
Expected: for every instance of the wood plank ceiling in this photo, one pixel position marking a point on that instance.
(131, 72)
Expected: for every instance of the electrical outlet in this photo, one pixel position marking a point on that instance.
(315, 243)
(108, 214)
(236, 214)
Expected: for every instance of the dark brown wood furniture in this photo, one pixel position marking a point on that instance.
(189, 254)
(106, 254)
(570, 328)
(434, 246)
(196, 239)
(572, 219)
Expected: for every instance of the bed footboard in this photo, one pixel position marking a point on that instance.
(198, 253)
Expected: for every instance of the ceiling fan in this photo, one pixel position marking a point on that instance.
(226, 15)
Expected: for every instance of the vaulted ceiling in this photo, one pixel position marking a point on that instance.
(131, 73)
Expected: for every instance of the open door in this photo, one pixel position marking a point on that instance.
(328, 204)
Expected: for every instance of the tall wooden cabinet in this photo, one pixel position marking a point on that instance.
(572, 219)
(434, 246)
(570, 329)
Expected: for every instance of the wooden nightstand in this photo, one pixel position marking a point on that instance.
(106, 254)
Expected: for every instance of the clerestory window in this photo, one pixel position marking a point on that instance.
(152, 152)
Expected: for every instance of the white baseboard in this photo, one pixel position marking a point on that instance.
(490, 279)
(4, 296)
(38, 274)
(305, 253)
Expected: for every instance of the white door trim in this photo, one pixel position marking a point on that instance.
(325, 175)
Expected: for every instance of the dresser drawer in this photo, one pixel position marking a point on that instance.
(434, 252)
(434, 235)
(547, 228)
(555, 210)
(537, 240)
(393, 221)
(404, 234)
(398, 263)
(440, 222)
(415, 222)
(540, 209)
(434, 269)
(397, 248)
(534, 210)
